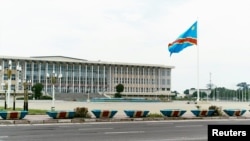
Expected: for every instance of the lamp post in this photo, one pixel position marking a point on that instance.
(53, 77)
(19, 69)
(34, 93)
(14, 100)
(88, 90)
(5, 85)
(9, 73)
(26, 95)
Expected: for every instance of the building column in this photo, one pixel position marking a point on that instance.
(104, 76)
(98, 78)
(127, 81)
(79, 79)
(32, 73)
(86, 78)
(73, 78)
(39, 72)
(67, 74)
(154, 81)
(138, 80)
(60, 80)
(110, 79)
(159, 80)
(92, 77)
(143, 80)
(46, 80)
(132, 80)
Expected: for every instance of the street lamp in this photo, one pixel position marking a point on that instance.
(19, 69)
(34, 93)
(14, 100)
(9, 72)
(88, 91)
(53, 77)
(9, 82)
(26, 94)
(5, 85)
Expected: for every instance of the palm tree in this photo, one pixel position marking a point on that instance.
(243, 87)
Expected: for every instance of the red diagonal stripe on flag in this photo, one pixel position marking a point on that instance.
(184, 40)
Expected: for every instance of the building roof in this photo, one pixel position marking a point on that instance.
(59, 58)
(77, 60)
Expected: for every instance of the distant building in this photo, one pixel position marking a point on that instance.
(83, 76)
(207, 91)
(181, 95)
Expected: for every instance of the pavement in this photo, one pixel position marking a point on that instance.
(153, 107)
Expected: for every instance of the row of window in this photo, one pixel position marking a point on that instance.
(80, 75)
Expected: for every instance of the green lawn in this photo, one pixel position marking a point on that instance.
(31, 111)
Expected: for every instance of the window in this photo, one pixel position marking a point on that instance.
(13, 76)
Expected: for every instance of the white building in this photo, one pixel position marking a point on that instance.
(83, 76)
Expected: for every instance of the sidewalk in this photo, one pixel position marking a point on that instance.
(154, 108)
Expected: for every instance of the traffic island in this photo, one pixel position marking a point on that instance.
(173, 112)
(136, 113)
(202, 113)
(13, 115)
(235, 112)
(104, 113)
(61, 114)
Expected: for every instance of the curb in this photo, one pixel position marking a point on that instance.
(85, 120)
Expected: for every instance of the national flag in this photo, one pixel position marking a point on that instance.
(188, 38)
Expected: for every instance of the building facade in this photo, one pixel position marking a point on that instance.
(83, 76)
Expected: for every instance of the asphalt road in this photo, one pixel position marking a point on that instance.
(177, 130)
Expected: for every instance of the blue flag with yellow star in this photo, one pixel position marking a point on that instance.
(186, 39)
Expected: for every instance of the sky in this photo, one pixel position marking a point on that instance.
(135, 31)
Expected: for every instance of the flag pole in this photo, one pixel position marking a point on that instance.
(188, 38)
(198, 89)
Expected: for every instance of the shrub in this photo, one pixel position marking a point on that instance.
(82, 112)
(217, 110)
(45, 97)
(118, 95)
(198, 107)
(155, 115)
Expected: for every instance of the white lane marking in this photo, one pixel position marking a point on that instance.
(156, 123)
(178, 139)
(187, 139)
(95, 128)
(189, 126)
(128, 132)
(64, 126)
(1, 137)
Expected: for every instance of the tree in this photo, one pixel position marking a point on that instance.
(37, 90)
(202, 94)
(175, 92)
(118, 95)
(186, 91)
(119, 89)
(243, 85)
(210, 86)
(243, 90)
